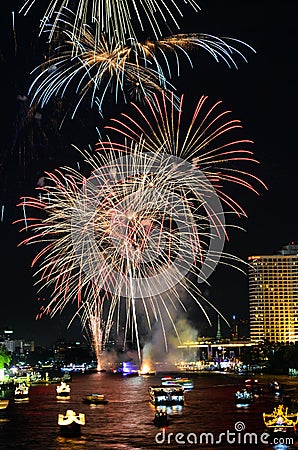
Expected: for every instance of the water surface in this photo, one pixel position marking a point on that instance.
(126, 422)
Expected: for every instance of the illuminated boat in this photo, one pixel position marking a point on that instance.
(149, 373)
(74, 368)
(21, 392)
(254, 386)
(95, 399)
(281, 423)
(186, 383)
(63, 390)
(4, 403)
(275, 388)
(243, 397)
(70, 423)
(161, 419)
(166, 395)
(129, 369)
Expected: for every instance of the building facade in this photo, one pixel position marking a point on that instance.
(273, 296)
(19, 347)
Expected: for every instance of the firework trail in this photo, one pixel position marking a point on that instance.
(84, 71)
(203, 139)
(119, 19)
(96, 66)
(147, 220)
(138, 225)
(98, 330)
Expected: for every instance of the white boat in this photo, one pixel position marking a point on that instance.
(243, 397)
(21, 392)
(166, 395)
(63, 390)
(70, 423)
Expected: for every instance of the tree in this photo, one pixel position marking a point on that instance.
(5, 356)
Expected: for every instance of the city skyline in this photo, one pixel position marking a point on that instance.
(259, 93)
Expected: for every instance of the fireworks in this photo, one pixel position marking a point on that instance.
(203, 139)
(124, 19)
(145, 226)
(98, 67)
(140, 224)
(100, 70)
(97, 330)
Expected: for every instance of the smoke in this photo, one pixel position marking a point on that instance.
(112, 359)
(154, 351)
(186, 333)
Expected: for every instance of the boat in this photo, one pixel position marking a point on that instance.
(21, 392)
(254, 387)
(161, 419)
(150, 373)
(63, 390)
(146, 372)
(4, 403)
(166, 395)
(275, 388)
(281, 423)
(129, 369)
(95, 399)
(70, 423)
(186, 383)
(243, 397)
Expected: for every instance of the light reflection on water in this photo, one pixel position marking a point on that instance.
(126, 422)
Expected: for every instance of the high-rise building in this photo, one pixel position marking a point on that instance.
(273, 296)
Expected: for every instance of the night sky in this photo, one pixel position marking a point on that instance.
(261, 93)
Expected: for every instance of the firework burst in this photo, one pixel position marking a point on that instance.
(118, 19)
(96, 66)
(203, 138)
(128, 230)
(144, 221)
(98, 72)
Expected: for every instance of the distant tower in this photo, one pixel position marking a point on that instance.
(218, 333)
(234, 328)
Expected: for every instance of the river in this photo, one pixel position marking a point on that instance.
(126, 421)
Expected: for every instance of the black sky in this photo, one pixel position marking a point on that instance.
(261, 93)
